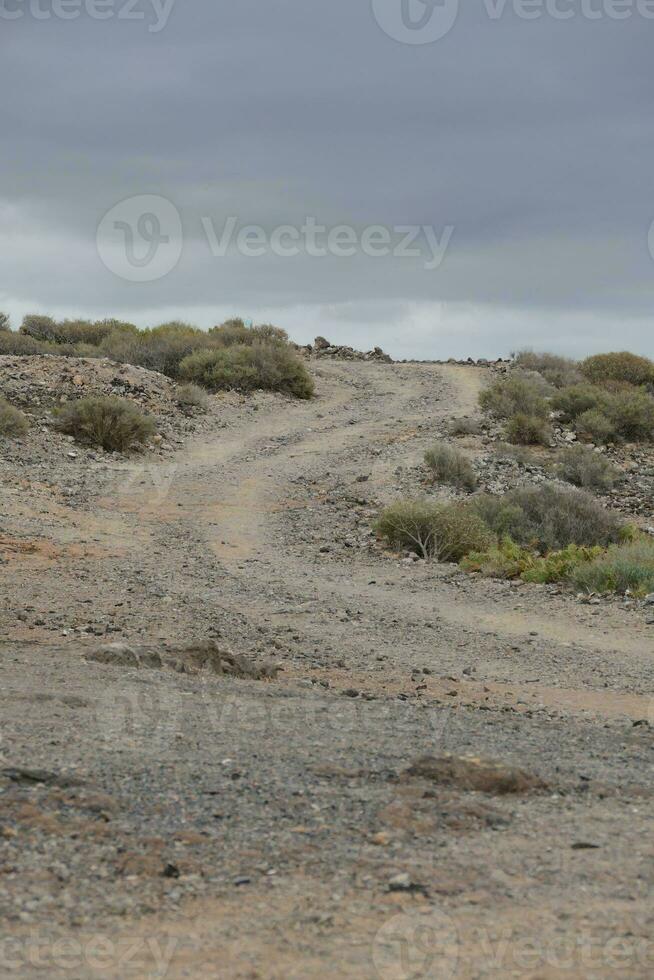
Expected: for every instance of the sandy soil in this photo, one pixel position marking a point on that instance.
(195, 826)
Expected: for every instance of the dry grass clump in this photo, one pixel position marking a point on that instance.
(586, 468)
(445, 532)
(620, 366)
(115, 424)
(464, 426)
(13, 423)
(450, 466)
(191, 396)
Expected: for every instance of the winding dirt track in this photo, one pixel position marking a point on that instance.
(262, 532)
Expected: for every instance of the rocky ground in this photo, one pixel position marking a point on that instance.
(260, 805)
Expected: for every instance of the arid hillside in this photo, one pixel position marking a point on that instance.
(243, 735)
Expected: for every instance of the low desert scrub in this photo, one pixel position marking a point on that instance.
(115, 424)
(17, 344)
(557, 371)
(509, 560)
(528, 430)
(586, 468)
(620, 366)
(193, 397)
(271, 366)
(13, 423)
(445, 532)
(515, 454)
(623, 567)
(596, 427)
(464, 427)
(548, 518)
(632, 413)
(4, 323)
(577, 399)
(450, 466)
(518, 393)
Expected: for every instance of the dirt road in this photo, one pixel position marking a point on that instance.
(237, 828)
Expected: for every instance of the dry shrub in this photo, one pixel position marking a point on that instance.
(624, 566)
(596, 426)
(516, 394)
(528, 430)
(190, 396)
(557, 371)
(113, 423)
(586, 468)
(548, 518)
(446, 532)
(450, 466)
(271, 366)
(574, 401)
(464, 427)
(13, 423)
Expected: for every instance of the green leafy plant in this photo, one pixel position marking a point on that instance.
(274, 367)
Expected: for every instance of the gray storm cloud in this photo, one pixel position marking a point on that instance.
(531, 138)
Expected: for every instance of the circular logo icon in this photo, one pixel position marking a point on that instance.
(416, 21)
(140, 238)
(412, 945)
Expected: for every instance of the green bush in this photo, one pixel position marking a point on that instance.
(450, 466)
(585, 468)
(113, 423)
(620, 366)
(13, 423)
(528, 430)
(4, 322)
(192, 396)
(596, 426)
(557, 371)
(513, 395)
(161, 348)
(623, 566)
(548, 518)
(632, 413)
(443, 531)
(273, 367)
(574, 401)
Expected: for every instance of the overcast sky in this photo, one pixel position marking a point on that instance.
(525, 147)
